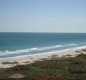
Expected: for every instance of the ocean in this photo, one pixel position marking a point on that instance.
(20, 45)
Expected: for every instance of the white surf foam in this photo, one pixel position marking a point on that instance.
(44, 53)
(38, 49)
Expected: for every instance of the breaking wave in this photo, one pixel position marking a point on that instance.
(30, 51)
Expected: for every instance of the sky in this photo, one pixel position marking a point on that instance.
(43, 16)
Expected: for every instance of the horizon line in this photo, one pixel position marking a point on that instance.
(39, 32)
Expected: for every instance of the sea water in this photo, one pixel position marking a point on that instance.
(19, 45)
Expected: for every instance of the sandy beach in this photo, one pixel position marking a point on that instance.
(31, 59)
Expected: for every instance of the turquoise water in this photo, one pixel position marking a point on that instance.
(14, 45)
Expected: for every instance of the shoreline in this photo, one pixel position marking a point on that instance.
(38, 57)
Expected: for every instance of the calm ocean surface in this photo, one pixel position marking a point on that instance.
(18, 45)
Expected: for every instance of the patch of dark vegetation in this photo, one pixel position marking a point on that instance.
(84, 50)
(10, 63)
(79, 71)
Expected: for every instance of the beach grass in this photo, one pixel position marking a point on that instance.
(69, 68)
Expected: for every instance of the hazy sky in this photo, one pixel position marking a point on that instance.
(43, 16)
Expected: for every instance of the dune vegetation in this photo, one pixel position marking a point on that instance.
(67, 68)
